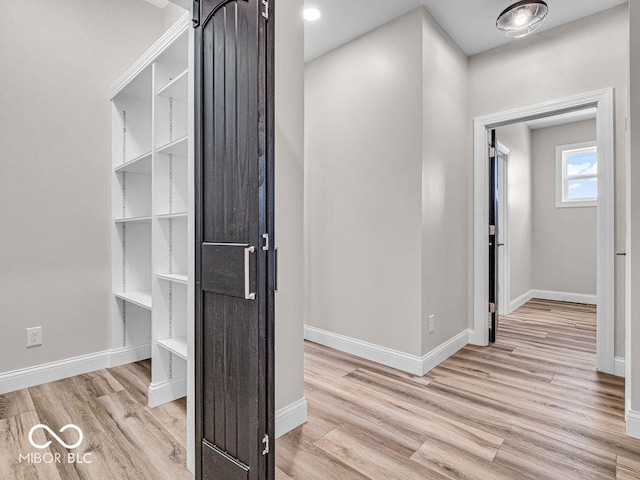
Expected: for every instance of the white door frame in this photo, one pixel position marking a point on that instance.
(604, 102)
(504, 263)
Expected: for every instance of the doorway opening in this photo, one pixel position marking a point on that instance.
(602, 101)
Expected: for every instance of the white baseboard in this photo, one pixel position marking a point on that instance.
(584, 298)
(387, 356)
(439, 354)
(291, 416)
(633, 423)
(165, 392)
(619, 367)
(520, 301)
(70, 367)
(375, 353)
(123, 356)
(50, 372)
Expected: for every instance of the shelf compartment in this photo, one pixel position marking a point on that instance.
(177, 346)
(171, 120)
(171, 241)
(178, 88)
(174, 277)
(177, 147)
(133, 220)
(131, 125)
(140, 165)
(141, 298)
(131, 195)
(172, 62)
(171, 192)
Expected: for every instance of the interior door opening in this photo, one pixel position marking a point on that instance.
(511, 287)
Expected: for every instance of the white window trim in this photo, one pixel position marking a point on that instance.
(560, 201)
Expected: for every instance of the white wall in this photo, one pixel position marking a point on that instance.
(55, 121)
(384, 121)
(444, 193)
(517, 138)
(579, 57)
(289, 157)
(564, 239)
(363, 141)
(633, 226)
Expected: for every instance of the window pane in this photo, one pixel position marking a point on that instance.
(582, 163)
(583, 189)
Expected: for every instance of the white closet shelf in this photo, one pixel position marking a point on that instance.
(176, 345)
(178, 88)
(172, 215)
(133, 220)
(173, 277)
(177, 147)
(141, 298)
(141, 164)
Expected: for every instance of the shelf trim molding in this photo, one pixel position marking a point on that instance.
(150, 55)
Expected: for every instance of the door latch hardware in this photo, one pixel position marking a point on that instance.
(248, 295)
(492, 308)
(492, 229)
(265, 10)
(265, 440)
(265, 244)
(196, 13)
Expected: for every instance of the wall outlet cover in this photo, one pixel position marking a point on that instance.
(34, 336)
(432, 323)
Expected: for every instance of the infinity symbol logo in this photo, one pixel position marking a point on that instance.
(51, 432)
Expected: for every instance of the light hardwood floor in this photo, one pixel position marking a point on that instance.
(126, 439)
(530, 406)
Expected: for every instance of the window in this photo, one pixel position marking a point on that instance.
(577, 175)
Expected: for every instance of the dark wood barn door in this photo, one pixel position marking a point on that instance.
(234, 239)
(493, 236)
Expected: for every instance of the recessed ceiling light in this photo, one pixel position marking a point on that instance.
(311, 14)
(522, 18)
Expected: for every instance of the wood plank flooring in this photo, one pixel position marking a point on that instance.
(126, 439)
(532, 406)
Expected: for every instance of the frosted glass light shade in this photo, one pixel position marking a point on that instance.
(522, 18)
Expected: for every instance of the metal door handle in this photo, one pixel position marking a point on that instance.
(248, 295)
(501, 244)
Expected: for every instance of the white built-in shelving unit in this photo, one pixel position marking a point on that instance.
(152, 206)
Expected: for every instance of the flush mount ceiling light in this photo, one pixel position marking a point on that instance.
(311, 14)
(522, 18)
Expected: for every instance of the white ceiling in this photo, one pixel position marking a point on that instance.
(471, 23)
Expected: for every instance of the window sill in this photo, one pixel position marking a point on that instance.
(577, 204)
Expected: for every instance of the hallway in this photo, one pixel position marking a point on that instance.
(530, 406)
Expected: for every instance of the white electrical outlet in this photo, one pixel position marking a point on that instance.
(34, 336)
(432, 323)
